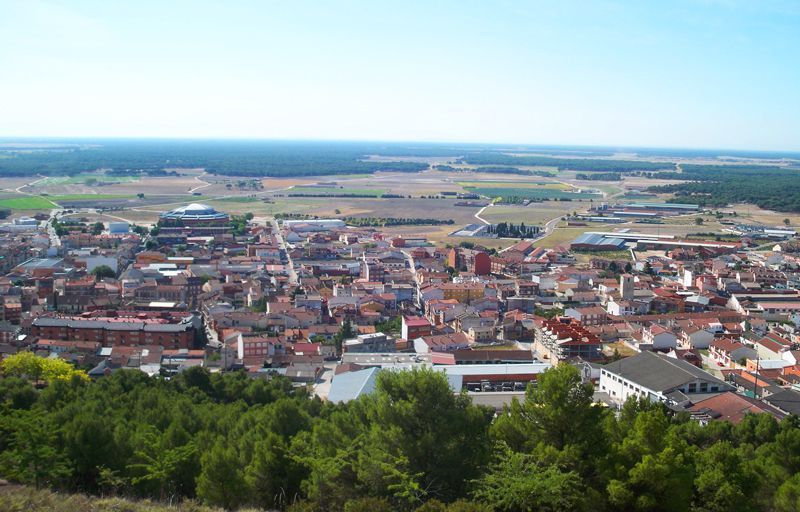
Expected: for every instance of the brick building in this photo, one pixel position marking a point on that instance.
(165, 331)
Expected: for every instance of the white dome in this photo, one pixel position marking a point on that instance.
(197, 209)
(194, 211)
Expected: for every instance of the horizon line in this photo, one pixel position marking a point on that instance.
(31, 138)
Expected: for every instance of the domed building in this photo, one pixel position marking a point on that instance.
(194, 214)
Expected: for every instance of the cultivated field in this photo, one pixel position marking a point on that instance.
(269, 196)
(26, 203)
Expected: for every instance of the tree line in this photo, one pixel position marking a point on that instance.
(510, 230)
(563, 164)
(395, 221)
(371, 221)
(233, 441)
(600, 176)
(499, 169)
(769, 187)
(229, 158)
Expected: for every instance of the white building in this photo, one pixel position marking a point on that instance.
(655, 376)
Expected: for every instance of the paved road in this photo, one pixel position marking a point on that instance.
(478, 215)
(203, 184)
(18, 190)
(211, 335)
(323, 385)
(55, 241)
(293, 279)
(549, 227)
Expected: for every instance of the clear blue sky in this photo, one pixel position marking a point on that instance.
(719, 74)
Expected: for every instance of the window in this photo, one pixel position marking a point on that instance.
(692, 387)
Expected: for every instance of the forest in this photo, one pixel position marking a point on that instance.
(564, 164)
(234, 158)
(234, 441)
(771, 188)
(274, 158)
(304, 158)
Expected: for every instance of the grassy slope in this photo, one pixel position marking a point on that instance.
(26, 499)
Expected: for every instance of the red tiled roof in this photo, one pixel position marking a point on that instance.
(732, 407)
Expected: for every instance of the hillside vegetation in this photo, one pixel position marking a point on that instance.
(233, 441)
(28, 499)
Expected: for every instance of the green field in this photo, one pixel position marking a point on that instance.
(522, 184)
(323, 191)
(88, 197)
(531, 193)
(27, 203)
(80, 179)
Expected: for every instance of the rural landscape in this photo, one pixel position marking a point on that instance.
(363, 326)
(359, 256)
(466, 185)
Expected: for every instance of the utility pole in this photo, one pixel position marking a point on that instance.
(755, 385)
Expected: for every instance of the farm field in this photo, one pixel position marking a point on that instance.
(533, 214)
(240, 199)
(531, 193)
(561, 236)
(87, 197)
(751, 214)
(274, 183)
(27, 203)
(164, 193)
(322, 191)
(551, 185)
(11, 183)
(84, 178)
(116, 185)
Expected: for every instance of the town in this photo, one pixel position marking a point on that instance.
(706, 327)
(399, 256)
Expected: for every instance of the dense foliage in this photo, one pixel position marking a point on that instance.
(232, 441)
(773, 188)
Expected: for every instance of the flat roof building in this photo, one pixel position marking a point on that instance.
(596, 242)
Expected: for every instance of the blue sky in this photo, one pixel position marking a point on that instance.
(719, 74)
